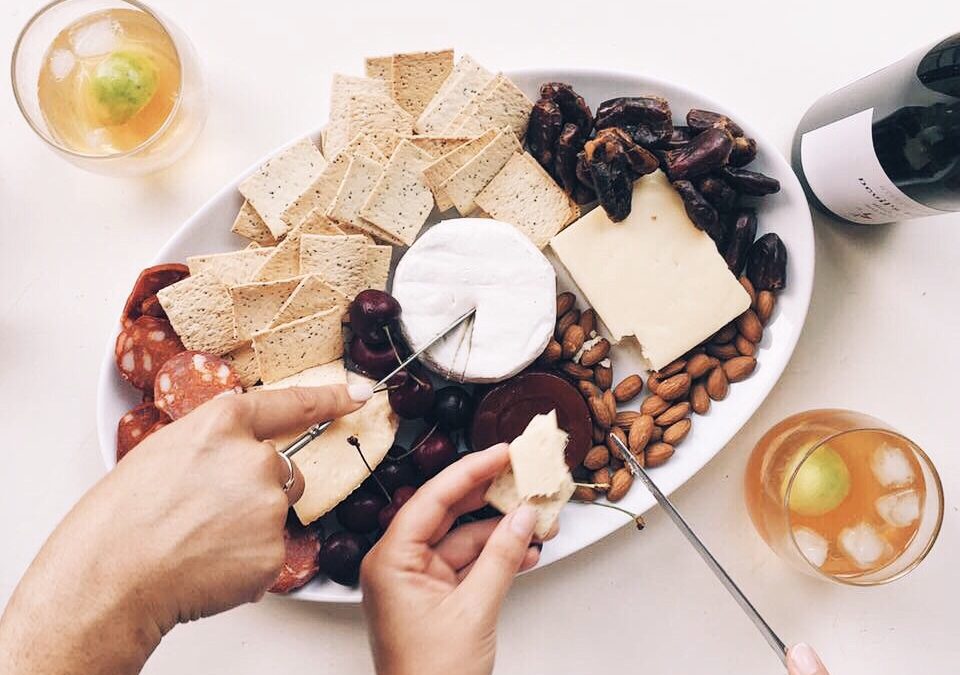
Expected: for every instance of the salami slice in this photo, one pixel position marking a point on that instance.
(136, 425)
(190, 379)
(152, 307)
(148, 283)
(302, 546)
(143, 347)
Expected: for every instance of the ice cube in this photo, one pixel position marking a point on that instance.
(891, 466)
(94, 39)
(863, 544)
(813, 547)
(62, 62)
(899, 509)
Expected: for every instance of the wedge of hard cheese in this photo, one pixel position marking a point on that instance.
(653, 276)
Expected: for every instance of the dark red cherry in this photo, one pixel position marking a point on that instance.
(370, 312)
(392, 475)
(358, 512)
(434, 452)
(452, 408)
(374, 360)
(411, 393)
(341, 555)
(400, 497)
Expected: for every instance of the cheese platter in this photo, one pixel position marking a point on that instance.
(519, 243)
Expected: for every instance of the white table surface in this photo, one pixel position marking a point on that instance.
(881, 336)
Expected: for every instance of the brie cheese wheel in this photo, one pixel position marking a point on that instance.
(476, 262)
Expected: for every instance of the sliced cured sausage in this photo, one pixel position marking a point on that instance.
(152, 307)
(148, 283)
(143, 347)
(302, 546)
(190, 379)
(136, 425)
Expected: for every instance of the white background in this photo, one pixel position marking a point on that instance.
(881, 335)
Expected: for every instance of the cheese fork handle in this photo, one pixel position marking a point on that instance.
(772, 639)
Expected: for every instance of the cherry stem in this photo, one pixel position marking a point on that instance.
(414, 448)
(636, 517)
(393, 346)
(355, 442)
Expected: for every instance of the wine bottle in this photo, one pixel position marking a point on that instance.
(887, 147)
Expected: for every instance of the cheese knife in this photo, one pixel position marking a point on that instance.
(772, 639)
(304, 439)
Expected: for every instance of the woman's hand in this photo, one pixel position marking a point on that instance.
(432, 596)
(802, 660)
(189, 524)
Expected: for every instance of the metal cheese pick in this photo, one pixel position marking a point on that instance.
(304, 439)
(775, 642)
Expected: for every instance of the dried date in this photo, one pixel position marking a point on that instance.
(722, 196)
(573, 108)
(612, 176)
(707, 152)
(569, 145)
(646, 118)
(751, 183)
(543, 131)
(744, 151)
(703, 215)
(700, 120)
(767, 263)
(679, 136)
(740, 237)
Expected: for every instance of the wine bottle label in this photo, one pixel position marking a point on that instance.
(842, 169)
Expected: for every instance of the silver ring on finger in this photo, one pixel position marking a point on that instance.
(293, 475)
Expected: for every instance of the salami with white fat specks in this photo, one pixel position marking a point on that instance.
(148, 283)
(143, 347)
(302, 547)
(136, 425)
(190, 379)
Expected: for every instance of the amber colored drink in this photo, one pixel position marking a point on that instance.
(844, 496)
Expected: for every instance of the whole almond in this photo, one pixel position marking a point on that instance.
(628, 389)
(599, 435)
(699, 399)
(552, 352)
(595, 354)
(572, 341)
(625, 418)
(744, 346)
(588, 389)
(600, 412)
(677, 431)
(601, 477)
(653, 405)
(717, 384)
(723, 352)
(612, 445)
(740, 368)
(564, 322)
(749, 326)
(673, 368)
(724, 335)
(588, 321)
(764, 306)
(583, 493)
(615, 464)
(699, 365)
(597, 457)
(673, 414)
(620, 484)
(565, 302)
(576, 371)
(658, 453)
(653, 382)
(611, 403)
(656, 435)
(674, 387)
(603, 376)
(640, 433)
(748, 287)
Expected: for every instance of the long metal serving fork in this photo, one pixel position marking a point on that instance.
(775, 642)
(316, 430)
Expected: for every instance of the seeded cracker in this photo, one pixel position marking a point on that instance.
(298, 345)
(525, 195)
(321, 193)
(255, 304)
(504, 104)
(377, 115)
(464, 82)
(284, 261)
(200, 310)
(437, 146)
(345, 88)
(234, 267)
(281, 181)
(317, 223)
(464, 185)
(243, 360)
(249, 224)
(362, 174)
(443, 168)
(470, 109)
(401, 200)
(378, 67)
(416, 77)
(347, 264)
(312, 295)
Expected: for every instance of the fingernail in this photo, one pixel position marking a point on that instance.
(523, 521)
(804, 659)
(360, 392)
(537, 545)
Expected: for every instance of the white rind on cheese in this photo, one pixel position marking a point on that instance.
(472, 262)
(653, 276)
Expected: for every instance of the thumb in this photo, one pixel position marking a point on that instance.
(270, 413)
(497, 565)
(802, 660)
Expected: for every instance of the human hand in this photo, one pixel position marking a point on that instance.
(432, 596)
(189, 524)
(802, 660)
